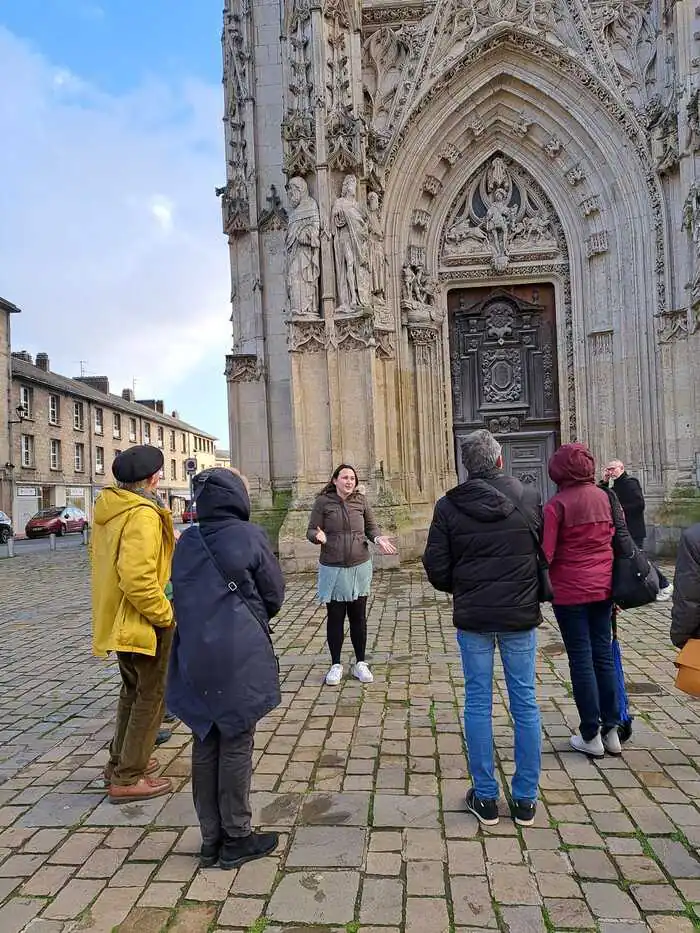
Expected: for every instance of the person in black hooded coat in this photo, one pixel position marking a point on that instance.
(223, 674)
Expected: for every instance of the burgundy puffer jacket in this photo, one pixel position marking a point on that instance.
(578, 530)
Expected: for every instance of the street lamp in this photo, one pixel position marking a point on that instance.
(22, 415)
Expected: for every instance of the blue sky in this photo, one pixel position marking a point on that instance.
(110, 233)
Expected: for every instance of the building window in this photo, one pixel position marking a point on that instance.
(116, 425)
(147, 434)
(184, 473)
(172, 440)
(99, 421)
(54, 409)
(78, 416)
(132, 429)
(99, 460)
(25, 400)
(161, 473)
(173, 469)
(55, 455)
(27, 450)
(79, 458)
(160, 436)
(184, 443)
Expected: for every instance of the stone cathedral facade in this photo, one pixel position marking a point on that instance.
(451, 214)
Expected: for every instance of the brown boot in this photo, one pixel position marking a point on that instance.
(152, 766)
(143, 789)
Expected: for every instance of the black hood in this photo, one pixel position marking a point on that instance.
(219, 495)
(481, 501)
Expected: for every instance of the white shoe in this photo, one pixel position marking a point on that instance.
(363, 673)
(594, 748)
(665, 594)
(611, 742)
(334, 675)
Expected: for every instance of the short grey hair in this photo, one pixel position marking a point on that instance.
(480, 453)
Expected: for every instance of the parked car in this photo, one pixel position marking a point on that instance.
(5, 527)
(57, 521)
(189, 513)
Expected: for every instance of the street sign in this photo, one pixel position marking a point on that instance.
(191, 465)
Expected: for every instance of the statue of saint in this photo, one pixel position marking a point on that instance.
(377, 260)
(350, 244)
(498, 221)
(303, 250)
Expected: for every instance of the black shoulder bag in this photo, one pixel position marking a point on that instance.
(544, 587)
(635, 579)
(235, 588)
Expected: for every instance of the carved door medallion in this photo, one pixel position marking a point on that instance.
(504, 374)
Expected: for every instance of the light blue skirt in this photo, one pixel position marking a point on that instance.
(344, 584)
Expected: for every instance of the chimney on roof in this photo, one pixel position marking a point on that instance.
(175, 415)
(23, 355)
(153, 403)
(100, 383)
(42, 361)
(128, 395)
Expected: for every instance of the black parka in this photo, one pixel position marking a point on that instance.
(481, 550)
(685, 615)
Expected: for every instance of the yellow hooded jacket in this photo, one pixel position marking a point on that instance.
(132, 550)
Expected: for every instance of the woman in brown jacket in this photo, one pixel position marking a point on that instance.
(342, 522)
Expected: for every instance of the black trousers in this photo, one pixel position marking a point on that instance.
(663, 579)
(356, 612)
(222, 769)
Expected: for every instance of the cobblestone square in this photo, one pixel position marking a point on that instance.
(365, 784)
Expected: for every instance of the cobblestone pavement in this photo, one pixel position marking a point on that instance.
(366, 785)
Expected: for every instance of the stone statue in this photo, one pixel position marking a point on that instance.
(498, 222)
(420, 295)
(351, 248)
(303, 250)
(377, 259)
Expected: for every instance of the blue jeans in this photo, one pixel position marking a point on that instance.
(587, 634)
(518, 653)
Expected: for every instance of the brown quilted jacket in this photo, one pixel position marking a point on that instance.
(348, 526)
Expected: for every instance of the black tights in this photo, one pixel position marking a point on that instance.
(335, 627)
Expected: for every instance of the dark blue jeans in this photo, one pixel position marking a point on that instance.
(587, 634)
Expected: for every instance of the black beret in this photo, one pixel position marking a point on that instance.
(137, 463)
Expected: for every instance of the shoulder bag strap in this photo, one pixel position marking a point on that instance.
(234, 587)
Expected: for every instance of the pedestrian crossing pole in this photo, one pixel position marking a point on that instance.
(191, 467)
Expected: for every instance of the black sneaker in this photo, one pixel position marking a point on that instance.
(486, 811)
(524, 812)
(237, 852)
(209, 855)
(170, 719)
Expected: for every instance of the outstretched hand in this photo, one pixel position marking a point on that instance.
(385, 545)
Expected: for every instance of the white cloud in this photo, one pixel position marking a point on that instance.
(110, 234)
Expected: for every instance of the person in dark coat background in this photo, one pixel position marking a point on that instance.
(223, 674)
(482, 549)
(685, 615)
(629, 491)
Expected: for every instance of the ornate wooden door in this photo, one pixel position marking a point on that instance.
(504, 375)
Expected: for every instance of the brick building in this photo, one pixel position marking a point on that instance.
(59, 436)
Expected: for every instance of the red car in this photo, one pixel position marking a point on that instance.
(57, 521)
(189, 513)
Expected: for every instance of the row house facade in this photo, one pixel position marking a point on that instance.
(65, 433)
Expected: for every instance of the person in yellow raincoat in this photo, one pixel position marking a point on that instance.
(132, 546)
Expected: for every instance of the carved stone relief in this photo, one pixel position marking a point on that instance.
(602, 344)
(345, 133)
(243, 367)
(303, 241)
(691, 223)
(662, 124)
(354, 333)
(674, 326)
(420, 295)
(692, 112)
(298, 126)
(575, 175)
(590, 205)
(308, 336)
(501, 215)
(597, 243)
(377, 257)
(627, 36)
(350, 231)
(274, 216)
(432, 185)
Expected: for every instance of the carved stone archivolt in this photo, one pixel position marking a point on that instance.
(500, 216)
(243, 367)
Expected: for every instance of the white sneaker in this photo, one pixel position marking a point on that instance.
(665, 594)
(334, 675)
(594, 748)
(363, 673)
(611, 742)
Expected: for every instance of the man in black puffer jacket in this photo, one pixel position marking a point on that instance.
(482, 549)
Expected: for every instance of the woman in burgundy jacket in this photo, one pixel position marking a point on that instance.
(577, 542)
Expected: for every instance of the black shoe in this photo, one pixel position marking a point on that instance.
(524, 812)
(163, 736)
(170, 719)
(237, 852)
(209, 855)
(486, 811)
